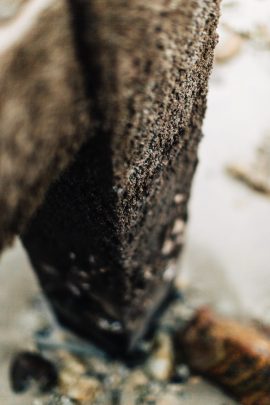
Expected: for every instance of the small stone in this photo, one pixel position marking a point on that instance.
(72, 255)
(85, 389)
(28, 367)
(169, 273)
(71, 370)
(181, 374)
(98, 365)
(137, 378)
(167, 247)
(178, 227)
(132, 387)
(178, 198)
(71, 363)
(67, 378)
(75, 384)
(160, 364)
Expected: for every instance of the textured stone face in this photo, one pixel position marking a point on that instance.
(43, 112)
(105, 240)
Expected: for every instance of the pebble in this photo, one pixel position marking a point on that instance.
(181, 374)
(28, 367)
(167, 247)
(71, 363)
(84, 389)
(178, 227)
(160, 364)
(75, 384)
(137, 378)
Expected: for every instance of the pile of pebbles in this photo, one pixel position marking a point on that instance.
(63, 370)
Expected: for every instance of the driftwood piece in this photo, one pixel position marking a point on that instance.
(105, 240)
(234, 355)
(255, 174)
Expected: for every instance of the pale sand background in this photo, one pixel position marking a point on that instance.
(9, 8)
(227, 257)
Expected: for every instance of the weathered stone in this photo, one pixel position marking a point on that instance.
(43, 110)
(105, 241)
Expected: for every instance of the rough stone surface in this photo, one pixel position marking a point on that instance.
(43, 112)
(104, 242)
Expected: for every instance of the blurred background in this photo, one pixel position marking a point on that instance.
(226, 262)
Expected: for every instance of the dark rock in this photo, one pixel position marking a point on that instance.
(105, 241)
(30, 367)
